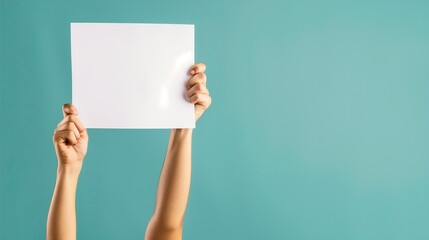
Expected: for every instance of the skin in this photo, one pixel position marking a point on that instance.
(71, 142)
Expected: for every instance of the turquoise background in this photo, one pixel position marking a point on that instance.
(319, 127)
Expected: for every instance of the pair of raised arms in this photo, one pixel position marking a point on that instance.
(71, 143)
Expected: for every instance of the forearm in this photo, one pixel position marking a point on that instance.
(62, 213)
(175, 179)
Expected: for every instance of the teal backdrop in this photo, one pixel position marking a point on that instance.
(319, 127)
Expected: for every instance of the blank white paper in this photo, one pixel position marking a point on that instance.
(132, 75)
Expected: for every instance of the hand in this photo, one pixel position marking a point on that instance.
(70, 139)
(197, 90)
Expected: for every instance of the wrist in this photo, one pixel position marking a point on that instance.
(69, 170)
(179, 137)
(182, 131)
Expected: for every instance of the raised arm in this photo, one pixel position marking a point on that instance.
(71, 142)
(174, 182)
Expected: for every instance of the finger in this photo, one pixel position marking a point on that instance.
(69, 109)
(197, 68)
(75, 119)
(201, 99)
(66, 136)
(198, 88)
(69, 126)
(198, 78)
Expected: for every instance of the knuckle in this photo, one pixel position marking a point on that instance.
(204, 89)
(201, 75)
(189, 83)
(199, 87)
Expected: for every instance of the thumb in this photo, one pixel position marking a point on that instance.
(69, 109)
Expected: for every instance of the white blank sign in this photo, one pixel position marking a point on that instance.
(131, 75)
